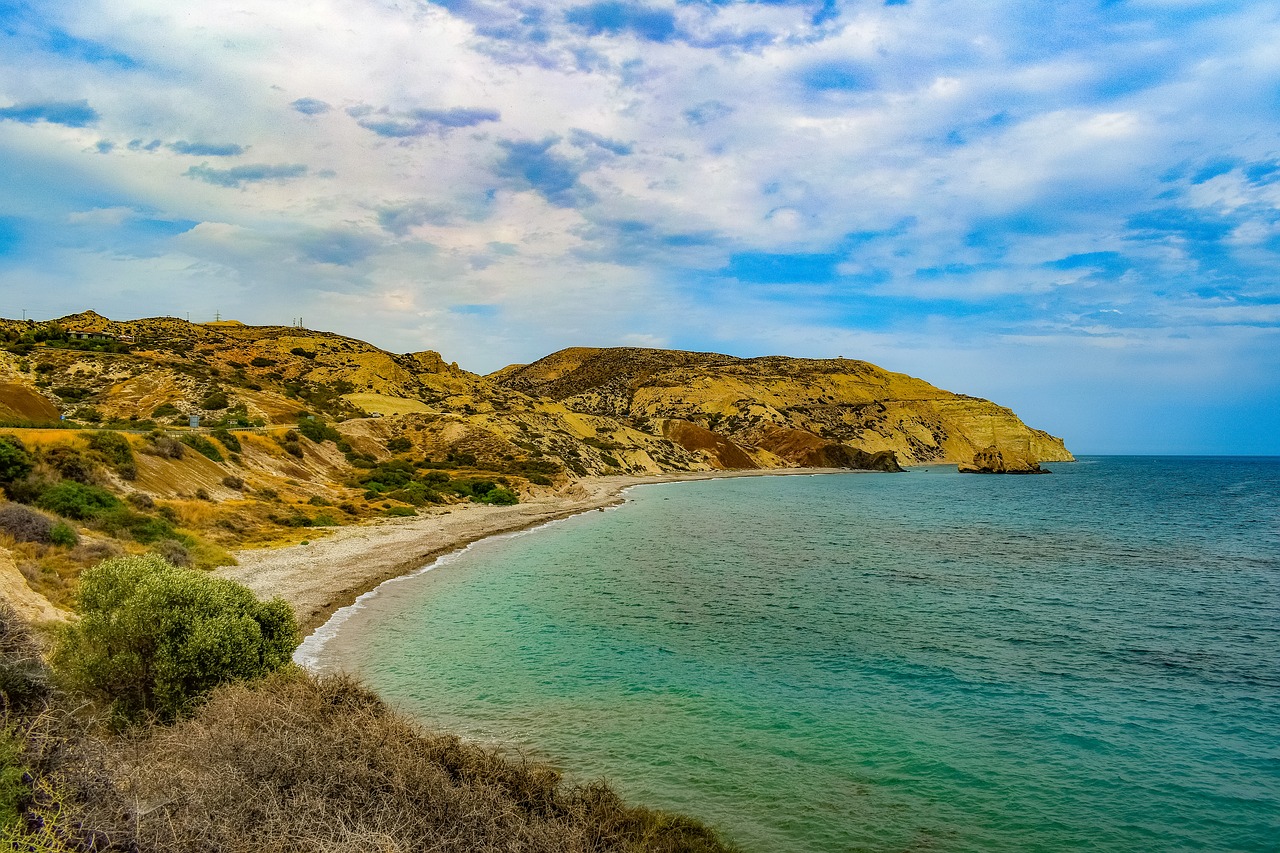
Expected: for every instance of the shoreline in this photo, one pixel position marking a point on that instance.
(322, 577)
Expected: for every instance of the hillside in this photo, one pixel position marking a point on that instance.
(802, 411)
(299, 432)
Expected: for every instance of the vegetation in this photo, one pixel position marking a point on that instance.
(154, 639)
(24, 524)
(15, 461)
(251, 753)
(203, 446)
(317, 430)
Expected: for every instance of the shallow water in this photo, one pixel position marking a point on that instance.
(926, 661)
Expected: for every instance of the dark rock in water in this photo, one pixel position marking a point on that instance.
(991, 461)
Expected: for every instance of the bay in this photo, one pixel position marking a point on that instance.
(1087, 660)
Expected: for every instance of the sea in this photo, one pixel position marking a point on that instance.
(926, 661)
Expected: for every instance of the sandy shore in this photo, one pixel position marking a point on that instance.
(330, 573)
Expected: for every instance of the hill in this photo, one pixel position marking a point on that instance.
(299, 431)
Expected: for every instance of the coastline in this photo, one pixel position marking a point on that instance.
(321, 577)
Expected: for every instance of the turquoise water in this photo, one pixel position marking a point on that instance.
(925, 661)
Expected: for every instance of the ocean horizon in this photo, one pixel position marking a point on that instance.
(877, 662)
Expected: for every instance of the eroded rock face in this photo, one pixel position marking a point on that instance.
(991, 460)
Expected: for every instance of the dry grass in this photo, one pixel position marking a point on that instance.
(299, 764)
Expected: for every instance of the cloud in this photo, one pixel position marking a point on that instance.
(336, 246)
(707, 112)
(237, 176)
(67, 113)
(611, 17)
(839, 76)
(532, 165)
(420, 122)
(945, 187)
(585, 139)
(206, 149)
(310, 106)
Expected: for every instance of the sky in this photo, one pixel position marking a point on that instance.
(1071, 208)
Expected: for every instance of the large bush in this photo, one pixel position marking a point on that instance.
(77, 500)
(154, 639)
(15, 461)
(25, 524)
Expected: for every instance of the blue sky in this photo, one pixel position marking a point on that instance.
(1072, 208)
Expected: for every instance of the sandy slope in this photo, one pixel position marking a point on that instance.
(322, 576)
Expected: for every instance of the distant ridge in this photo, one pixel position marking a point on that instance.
(587, 410)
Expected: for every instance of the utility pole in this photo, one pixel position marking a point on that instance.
(217, 316)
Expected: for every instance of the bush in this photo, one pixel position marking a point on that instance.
(72, 464)
(165, 410)
(399, 444)
(203, 446)
(500, 497)
(77, 500)
(303, 763)
(24, 680)
(259, 361)
(215, 400)
(72, 393)
(318, 431)
(111, 446)
(156, 639)
(233, 482)
(64, 534)
(174, 552)
(400, 512)
(166, 447)
(226, 439)
(25, 524)
(123, 521)
(15, 461)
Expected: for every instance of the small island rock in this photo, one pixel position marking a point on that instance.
(990, 460)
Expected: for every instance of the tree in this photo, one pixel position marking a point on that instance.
(154, 639)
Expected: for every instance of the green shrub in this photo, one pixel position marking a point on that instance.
(13, 791)
(122, 521)
(64, 534)
(500, 497)
(24, 679)
(165, 410)
(400, 512)
(318, 431)
(15, 461)
(72, 464)
(215, 400)
(77, 500)
(259, 361)
(203, 446)
(112, 446)
(399, 444)
(226, 439)
(72, 393)
(156, 639)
